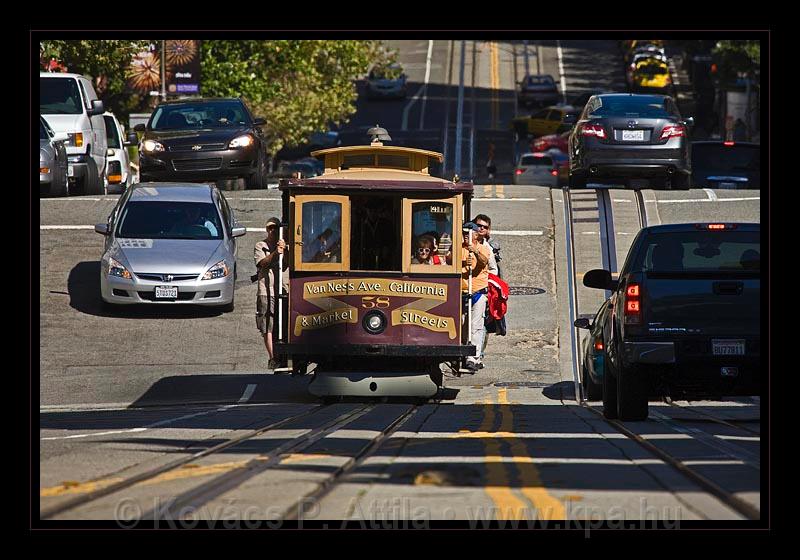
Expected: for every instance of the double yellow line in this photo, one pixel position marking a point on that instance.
(528, 499)
(494, 70)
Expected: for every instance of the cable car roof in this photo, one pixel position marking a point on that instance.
(376, 148)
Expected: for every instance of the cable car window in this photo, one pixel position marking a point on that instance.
(322, 232)
(432, 232)
(375, 240)
(400, 162)
(365, 160)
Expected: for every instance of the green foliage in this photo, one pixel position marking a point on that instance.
(737, 57)
(107, 62)
(299, 87)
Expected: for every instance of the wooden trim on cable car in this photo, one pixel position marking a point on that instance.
(408, 266)
(344, 262)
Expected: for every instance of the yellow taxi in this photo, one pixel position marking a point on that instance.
(651, 74)
(549, 120)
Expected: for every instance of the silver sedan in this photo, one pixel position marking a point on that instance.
(53, 164)
(170, 244)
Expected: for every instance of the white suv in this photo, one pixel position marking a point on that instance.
(118, 175)
(70, 105)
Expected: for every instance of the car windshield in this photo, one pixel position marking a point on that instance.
(536, 160)
(718, 159)
(59, 96)
(169, 220)
(112, 136)
(540, 80)
(206, 114)
(628, 106)
(700, 251)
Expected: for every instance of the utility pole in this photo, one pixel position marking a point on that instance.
(163, 71)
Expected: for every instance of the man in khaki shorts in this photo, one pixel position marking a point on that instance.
(265, 255)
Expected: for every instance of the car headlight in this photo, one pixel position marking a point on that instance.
(241, 141)
(116, 269)
(219, 270)
(152, 146)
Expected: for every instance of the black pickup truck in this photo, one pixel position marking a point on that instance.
(684, 317)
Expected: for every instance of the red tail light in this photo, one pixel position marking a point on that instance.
(633, 305)
(593, 130)
(728, 143)
(519, 171)
(672, 130)
(598, 345)
(554, 172)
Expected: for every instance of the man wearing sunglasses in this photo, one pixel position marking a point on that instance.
(265, 255)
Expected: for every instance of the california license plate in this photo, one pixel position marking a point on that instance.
(727, 347)
(71, 171)
(166, 292)
(633, 135)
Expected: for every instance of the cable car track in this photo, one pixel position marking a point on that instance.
(609, 259)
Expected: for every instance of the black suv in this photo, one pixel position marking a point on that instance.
(204, 140)
(622, 136)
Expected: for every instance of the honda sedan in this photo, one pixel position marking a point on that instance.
(170, 244)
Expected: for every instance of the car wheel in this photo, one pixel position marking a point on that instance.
(591, 391)
(631, 393)
(60, 187)
(609, 390)
(258, 180)
(681, 181)
(93, 182)
(240, 184)
(577, 181)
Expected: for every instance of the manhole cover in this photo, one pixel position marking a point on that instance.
(535, 384)
(525, 291)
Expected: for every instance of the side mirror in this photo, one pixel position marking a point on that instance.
(689, 121)
(140, 128)
(600, 279)
(259, 121)
(582, 323)
(101, 228)
(133, 139)
(60, 137)
(97, 108)
(238, 231)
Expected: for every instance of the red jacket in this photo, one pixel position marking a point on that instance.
(497, 296)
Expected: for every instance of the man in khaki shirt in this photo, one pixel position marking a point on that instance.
(475, 259)
(265, 255)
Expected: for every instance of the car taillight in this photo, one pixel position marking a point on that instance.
(593, 130)
(519, 171)
(598, 345)
(554, 172)
(672, 130)
(633, 305)
(715, 226)
(728, 143)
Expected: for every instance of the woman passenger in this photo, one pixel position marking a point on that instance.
(425, 251)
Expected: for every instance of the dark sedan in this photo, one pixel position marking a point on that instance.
(621, 137)
(539, 90)
(204, 140)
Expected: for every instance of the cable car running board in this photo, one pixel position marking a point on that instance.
(372, 384)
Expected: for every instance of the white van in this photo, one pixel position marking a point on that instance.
(70, 105)
(118, 174)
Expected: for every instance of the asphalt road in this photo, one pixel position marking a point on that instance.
(121, 393)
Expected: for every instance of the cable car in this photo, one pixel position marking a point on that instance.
(376, 312)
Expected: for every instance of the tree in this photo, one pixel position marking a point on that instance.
(298, 86)
(735, 58)
(107, 62)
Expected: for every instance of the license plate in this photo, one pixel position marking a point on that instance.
(70, 171)
(633, 135)
(727, 347)
(166, 292)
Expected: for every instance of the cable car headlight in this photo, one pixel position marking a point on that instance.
(374, 322)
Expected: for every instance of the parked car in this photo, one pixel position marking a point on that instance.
(592, 365)
(538, 168)
(550, 120)
(119, 176)
(623, 136)
(539, 89)
(297, 169)
(726, 165)
(170, 244)
(386, 82)
(70, 105)
(53, 166)
(204, 140)
(684, 317)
